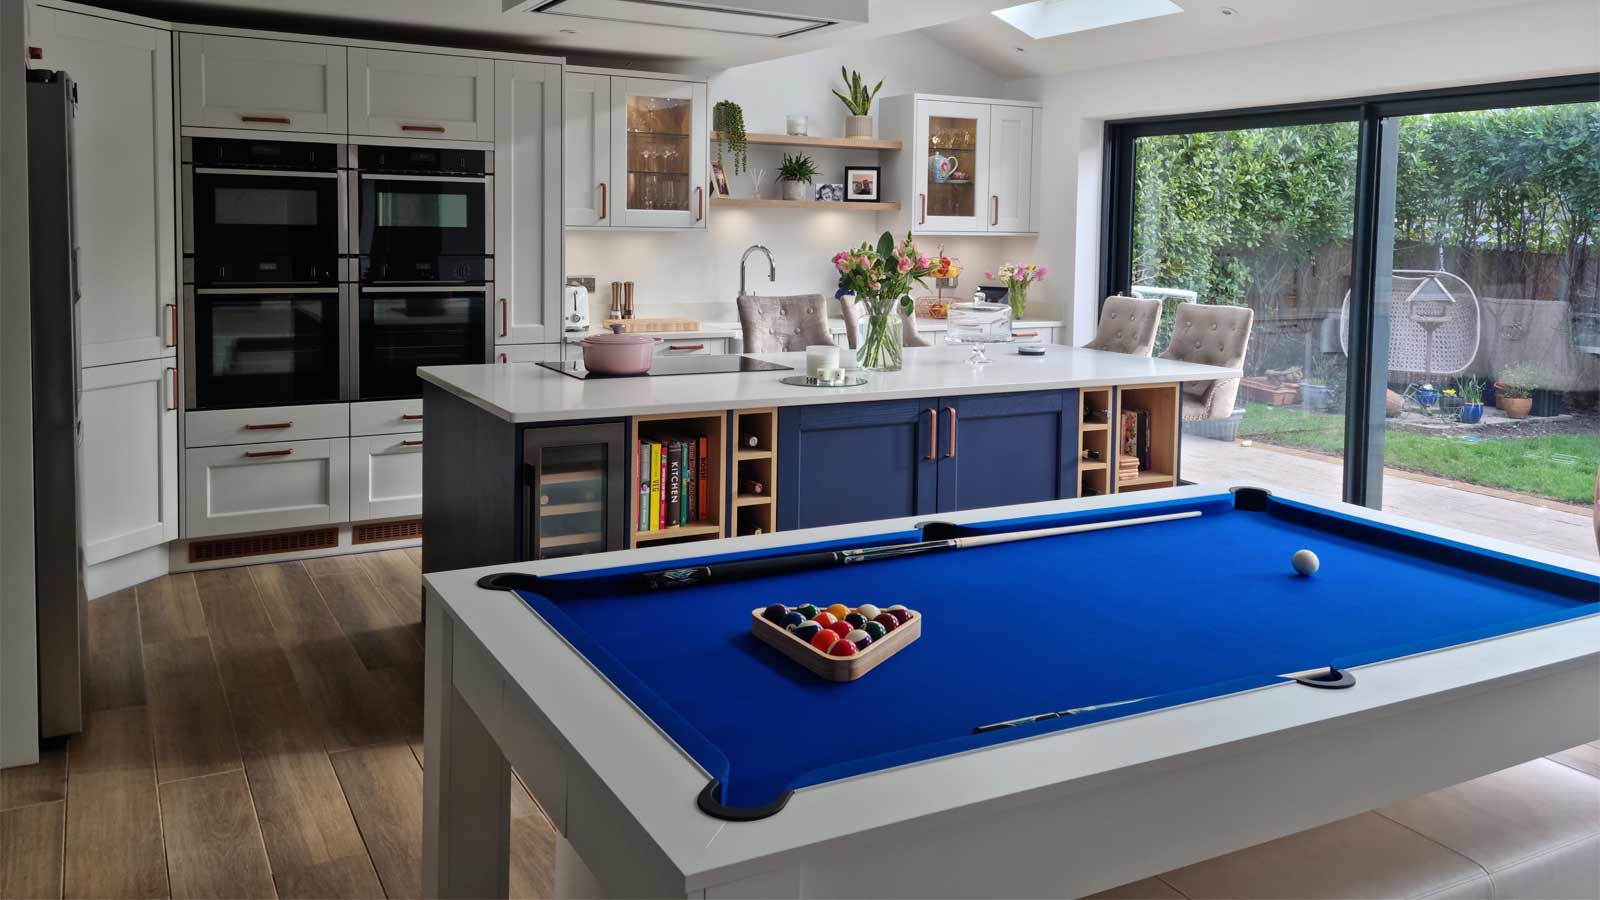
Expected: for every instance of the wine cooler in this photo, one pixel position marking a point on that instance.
(574, 490)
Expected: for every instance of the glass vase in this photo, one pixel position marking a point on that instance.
(1017, 296)
(882, 344)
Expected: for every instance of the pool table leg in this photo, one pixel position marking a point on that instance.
(466, 818)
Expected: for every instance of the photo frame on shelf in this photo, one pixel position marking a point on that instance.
(719, 179)
(862, 183)
(830, 193)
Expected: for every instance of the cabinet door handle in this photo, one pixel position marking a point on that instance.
(172, 392)
(700, 204)
(933, 434)
(1017, 334)
(431, 129)
(412, 417)
(503, 358)
(686, 346)
(265, 120)
(994, 220)
(261, 454)
(411, 443)
(951, 450)
(268, 426)
(923, 220)
(505, 317)
(605, 195)
(172, 324)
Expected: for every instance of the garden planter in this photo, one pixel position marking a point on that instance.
(858, 126)
(1315, 397)
(1263, 391)
(1471, 413)
(1545, 403)
(1427, 397)
(1516, 407)
(1488, 395)
(797, 190)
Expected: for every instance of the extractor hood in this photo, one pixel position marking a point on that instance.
(751, 18)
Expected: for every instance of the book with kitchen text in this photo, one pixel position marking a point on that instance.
(672, 481)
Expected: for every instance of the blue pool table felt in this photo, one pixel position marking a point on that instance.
(1174, 612)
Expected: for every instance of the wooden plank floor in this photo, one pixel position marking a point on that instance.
(254, 732)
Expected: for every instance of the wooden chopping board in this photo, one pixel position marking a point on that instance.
(631, 326)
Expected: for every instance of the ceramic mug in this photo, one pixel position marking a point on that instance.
(942, 167)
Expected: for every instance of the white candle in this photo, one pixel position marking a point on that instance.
(797, 124)
(819, 357)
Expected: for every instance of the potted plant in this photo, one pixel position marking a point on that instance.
(1016, 279)
(1514, 388)
(859, 102)
(881, 277)
(727, 121)
(1471, 394)
(1546, 402)
(796, 174)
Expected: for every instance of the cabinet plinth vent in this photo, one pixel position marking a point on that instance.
(386, 531)
(263, 544)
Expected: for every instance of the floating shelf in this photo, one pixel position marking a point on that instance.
(696, 529)
(754, 454)
(1148, 476)
(807, 140)
(863, 207)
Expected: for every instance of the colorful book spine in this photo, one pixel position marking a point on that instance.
(673, 477)
(701, 479)
(655, 485)
(691, 478)
(642, 520)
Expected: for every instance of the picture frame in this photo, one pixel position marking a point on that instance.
(862, 184)
(830, 193)
(719, 179)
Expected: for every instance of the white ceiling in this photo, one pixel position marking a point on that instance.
(990, 42)
(481, 23)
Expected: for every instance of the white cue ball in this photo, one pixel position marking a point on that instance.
(1305, 562)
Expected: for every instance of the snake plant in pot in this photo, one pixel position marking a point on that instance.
(859, 102)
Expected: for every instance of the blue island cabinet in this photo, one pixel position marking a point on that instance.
(855, 462)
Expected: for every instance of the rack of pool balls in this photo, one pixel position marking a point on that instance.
(838, 643)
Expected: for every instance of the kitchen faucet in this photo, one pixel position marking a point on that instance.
(772, 267)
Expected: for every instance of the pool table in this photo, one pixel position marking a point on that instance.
(1177, 691)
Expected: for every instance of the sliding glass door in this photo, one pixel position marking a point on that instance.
(1401, 256)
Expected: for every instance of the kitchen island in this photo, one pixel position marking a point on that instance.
(526, 463)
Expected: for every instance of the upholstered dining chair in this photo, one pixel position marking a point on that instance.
(780, 324)
(1213, 336)
(1127, 325)
(850, 310)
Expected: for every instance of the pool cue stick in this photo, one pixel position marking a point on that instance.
(782, 565)
(1058, 714)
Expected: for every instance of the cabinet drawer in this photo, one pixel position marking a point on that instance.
(218, 427)
(421, 95)
(266, 487)
(691, 347)
(534, 353)
(229, 82)
(385, 476)
(386, 417)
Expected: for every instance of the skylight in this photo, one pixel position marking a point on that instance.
(1053, 18)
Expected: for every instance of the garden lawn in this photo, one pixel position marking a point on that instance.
(1560, 467)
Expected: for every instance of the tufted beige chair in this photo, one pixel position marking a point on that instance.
(780, 324)
(1213, 336)
(1127, 325)
(850, 310)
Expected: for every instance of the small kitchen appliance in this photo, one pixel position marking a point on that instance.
(575, 307)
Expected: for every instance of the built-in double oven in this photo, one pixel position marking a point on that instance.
(317, 273)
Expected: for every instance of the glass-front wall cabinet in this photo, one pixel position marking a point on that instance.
(952, 142)
(661, 161)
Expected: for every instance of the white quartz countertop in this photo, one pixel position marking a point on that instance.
(528, 393)
(836, 325)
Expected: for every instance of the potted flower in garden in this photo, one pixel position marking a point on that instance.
(1514, 388)
(881, 278)
(1016, 279)
(796, 174)
(1471, 393)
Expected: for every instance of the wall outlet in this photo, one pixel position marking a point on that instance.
(588, 283)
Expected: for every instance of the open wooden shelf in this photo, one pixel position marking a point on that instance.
(711, 519)
(861, 207)
(755, 513)
(1165, 407)
(751, 499)
(807, 140)
(753, 454)
(697, 529)
(1148, 478)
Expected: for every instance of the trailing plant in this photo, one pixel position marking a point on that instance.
(859, 100)
(798, 167)
(1516, 382)
(728, 120)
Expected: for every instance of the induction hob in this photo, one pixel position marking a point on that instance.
(677, 365)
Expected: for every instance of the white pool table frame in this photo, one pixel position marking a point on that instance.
(1062, 814)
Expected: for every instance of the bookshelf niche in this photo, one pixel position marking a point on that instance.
(706, 432)
(755, 464)
(1094, 441)
(1100, 438)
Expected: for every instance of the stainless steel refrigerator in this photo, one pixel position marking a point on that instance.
(53, 252)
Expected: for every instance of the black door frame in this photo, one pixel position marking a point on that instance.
(1372, 236)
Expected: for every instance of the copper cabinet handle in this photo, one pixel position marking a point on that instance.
(1017, 334)
(605, 196)
(433, 129)
(411, 417)
(933, 434)
(411, 443)
(700, 200)
(995, 219)
(503, 358)
(172, 323)
(269, 426)
(924, 218)
(686, 346)
(951, 450)
(266, 120)
(505, 317)
(172, 395)
(259, 454)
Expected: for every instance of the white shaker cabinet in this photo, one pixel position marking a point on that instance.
(970, 165)
(421, 95)
(232, 82)
(586, 148)
(385, 476)
(129, 487)
(124, 171)
(527, 202)
(266, 487)
(1011, 184)
(658, 153)
(951, 155)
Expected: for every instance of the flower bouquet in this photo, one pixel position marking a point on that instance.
(881, 277)
(1016, 278)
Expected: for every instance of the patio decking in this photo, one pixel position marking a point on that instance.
(1556, 527)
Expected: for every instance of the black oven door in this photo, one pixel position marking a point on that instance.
(264, 346)
(419, 228)
(399, 329)
(248, 226)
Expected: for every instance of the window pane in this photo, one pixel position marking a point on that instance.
(1495, 281)
(1261, 219)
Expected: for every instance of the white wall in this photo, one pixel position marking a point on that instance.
(704, 267)
(1556, 37)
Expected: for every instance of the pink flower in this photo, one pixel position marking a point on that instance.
(1039, 275)
(904, 265)
(988, 274)
(863, 261)
(922, 262)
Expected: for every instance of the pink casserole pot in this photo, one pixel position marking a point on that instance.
(619, 354)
